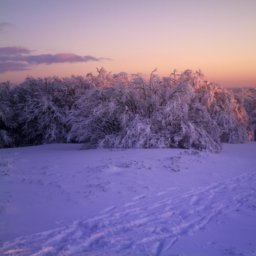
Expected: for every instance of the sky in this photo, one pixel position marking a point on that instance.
(74, 37)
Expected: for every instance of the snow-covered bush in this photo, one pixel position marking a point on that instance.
(247, 98)
(42, 106)
(182, 110)
(95, 115)
(121, 110)
(6, 116)
(230, 117)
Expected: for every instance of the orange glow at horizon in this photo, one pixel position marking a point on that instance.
(226, 77)
(218, 37)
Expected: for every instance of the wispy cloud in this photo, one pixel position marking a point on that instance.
(19, 58)
(13, 66)
(12, 51)
(4, 25)
(56, 58)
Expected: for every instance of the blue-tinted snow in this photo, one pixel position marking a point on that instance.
(60, 200)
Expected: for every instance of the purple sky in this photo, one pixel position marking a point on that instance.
(77, 36)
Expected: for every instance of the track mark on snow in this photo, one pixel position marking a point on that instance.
(145, 226)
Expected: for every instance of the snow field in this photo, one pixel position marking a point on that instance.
(59, 200)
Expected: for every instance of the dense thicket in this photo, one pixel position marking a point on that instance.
(6, 116)
(121, 110)
(247, 98)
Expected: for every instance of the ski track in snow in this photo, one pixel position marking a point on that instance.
(144, 226)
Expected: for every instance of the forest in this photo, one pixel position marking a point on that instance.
(182, 110)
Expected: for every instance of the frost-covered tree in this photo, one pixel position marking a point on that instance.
(229, 115)
(182, 110)
(6, 116)
(95, 115)
(224, 110)
(41, 110)
(121, 110)
(247, 98)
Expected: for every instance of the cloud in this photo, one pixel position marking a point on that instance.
(10, 51)
(21, 59)
(12, 66)
(5, 25)
(57, 58)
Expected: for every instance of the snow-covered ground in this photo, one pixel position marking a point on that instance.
(60, 200)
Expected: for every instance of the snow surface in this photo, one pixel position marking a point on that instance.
(60, 200)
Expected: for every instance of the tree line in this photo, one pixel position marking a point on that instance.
(125, 111)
